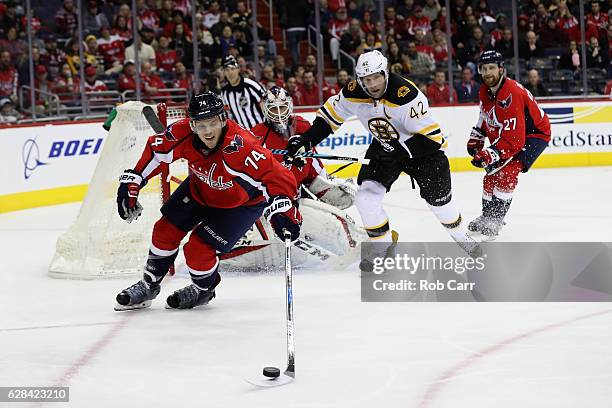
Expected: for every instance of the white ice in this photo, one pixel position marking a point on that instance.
(348, 353)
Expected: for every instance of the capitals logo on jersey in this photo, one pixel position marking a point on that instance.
(208, 178)
(505, 103)
(234, 145)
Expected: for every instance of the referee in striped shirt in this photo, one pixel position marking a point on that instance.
(242, 95)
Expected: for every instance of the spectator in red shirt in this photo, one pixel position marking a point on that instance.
(551, 36)
(177, 19)
(268, 80)
(182, 79)
(147, 16)
(596, 18)
(8, 77)
(292, 89)
(568, 23)
(17, 47)
(67, 86)
(66, 19)
(395, 25)
(92, 83)
(342, 78)
(164, 56)
(43, 92)
(122, 29)
(440, 48)
(438, 91)
(153, 85)
(418, 20)
(422, 43)
(367, 25)
(112, 50)
(309, 90)
(127, 80)
(337, 27)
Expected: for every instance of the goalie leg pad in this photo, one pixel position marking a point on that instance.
(337, 192)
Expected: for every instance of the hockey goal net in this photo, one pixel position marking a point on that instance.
(99, 243)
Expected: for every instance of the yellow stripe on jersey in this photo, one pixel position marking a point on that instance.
(358, 100)
(327, 120)
(437, 138)
(429, 129)
(332, 111)
(389, 104)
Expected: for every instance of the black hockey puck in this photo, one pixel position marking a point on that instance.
(271, 372)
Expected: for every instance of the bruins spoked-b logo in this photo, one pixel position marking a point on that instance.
(382, 129)
(351, 86)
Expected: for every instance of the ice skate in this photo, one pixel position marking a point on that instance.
(478, 224)
(491, 229)
(137, 296)
(191, 296)
(366, 265)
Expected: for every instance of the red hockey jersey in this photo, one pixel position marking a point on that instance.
(271, 139)
(238, 172)
(511, 116)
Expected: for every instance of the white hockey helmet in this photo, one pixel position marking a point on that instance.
(277, 107)
(369, 63)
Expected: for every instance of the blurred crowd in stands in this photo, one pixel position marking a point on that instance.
(549, 47)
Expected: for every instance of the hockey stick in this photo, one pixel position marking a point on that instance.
(325, 156)
(272, 374)
(152, 119)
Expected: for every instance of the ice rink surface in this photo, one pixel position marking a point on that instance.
(348, 353)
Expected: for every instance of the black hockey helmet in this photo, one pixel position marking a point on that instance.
(205, 106)
(491, 57)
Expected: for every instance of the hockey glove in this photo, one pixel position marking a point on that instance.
(130, 184)
(283, 215)
(486, 157)
(295, 146)
(475, 142)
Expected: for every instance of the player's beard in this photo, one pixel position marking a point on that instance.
(492, 80)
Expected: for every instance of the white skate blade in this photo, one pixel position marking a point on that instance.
(265, 382)
(143, 305)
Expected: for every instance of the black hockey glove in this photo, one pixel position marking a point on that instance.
(130, 184)
(297, 145)
(283, 215)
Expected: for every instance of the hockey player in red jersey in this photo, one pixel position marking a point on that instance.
(518, 131)
(232, 181)
(280, 124)
(323, 197)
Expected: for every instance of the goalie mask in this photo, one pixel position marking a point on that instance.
(277, 108)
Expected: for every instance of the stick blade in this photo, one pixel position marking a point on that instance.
(152, 119)
(265, 382)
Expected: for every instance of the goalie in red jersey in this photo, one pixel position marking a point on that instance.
(280, 125)
(518, 131)
(323, 197)
(232, 181)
